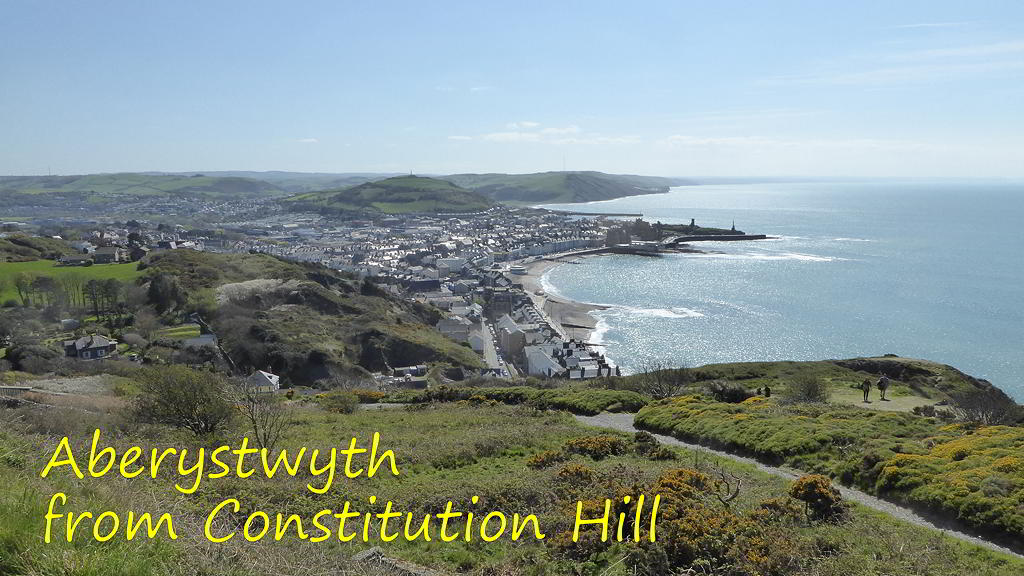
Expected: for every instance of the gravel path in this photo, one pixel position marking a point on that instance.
(624, 423)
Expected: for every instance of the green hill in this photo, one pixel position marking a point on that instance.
(562, 187)
(398, 195)
(107, 188)
(306, 322)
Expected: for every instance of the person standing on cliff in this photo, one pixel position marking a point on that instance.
(866, 387)
(883, 385)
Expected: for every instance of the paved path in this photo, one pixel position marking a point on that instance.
(624, 423)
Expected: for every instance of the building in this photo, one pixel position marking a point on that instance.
(92, 347)
(456, 327)
(261, 381)
(109, 255)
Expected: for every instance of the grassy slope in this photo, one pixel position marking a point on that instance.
(126, 272)
(398, 195)
(560, 187)
(444, 453)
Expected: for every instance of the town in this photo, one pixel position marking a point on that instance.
(470, 266)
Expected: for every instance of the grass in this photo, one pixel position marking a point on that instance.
(445, 452)
(973, 476)
(181, 332)
(126, 272)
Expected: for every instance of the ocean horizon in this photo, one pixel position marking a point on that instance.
(928, 269)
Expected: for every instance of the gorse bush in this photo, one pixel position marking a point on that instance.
(597, 447)
(576, 474)
(546, 458)
(339, 401)
(822, 501)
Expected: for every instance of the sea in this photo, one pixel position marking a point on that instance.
(925, 269)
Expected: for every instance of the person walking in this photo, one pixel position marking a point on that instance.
(883, 385)
(866, 387)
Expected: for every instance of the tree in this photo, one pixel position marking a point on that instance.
(178, 396)
(94, 295)
(145, 323)
(23, 284)
(267, 415)
(165, 293)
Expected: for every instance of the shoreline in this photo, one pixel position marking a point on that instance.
(573, 319)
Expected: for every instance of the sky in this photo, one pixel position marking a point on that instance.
(672, 88)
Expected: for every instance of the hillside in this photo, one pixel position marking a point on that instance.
(304, 321)
(299, 182)
(106, 188)
(21, 248)
(398, 195)
(562, 187)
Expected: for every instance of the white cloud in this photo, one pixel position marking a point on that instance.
(308, 140)
(460, 137)
(523, 125)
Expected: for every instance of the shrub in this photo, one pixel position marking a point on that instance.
(546, 458)
(647, 445)
(576, 475)
(368, 396)
(728, 392)
(822, 501)
(339, 402)
(773, 510)
(33, 358)
(184, 398)
(807, 389)
(661, 453)
(597, 447)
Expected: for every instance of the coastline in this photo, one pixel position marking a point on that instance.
(573, 319)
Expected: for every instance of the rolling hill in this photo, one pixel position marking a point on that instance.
(562, 187)
(397, 195)
(98, 189)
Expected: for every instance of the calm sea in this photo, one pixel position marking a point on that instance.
(924, 269)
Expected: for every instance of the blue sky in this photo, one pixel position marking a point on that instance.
(671, 88)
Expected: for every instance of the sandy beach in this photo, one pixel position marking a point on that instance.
(572, 317)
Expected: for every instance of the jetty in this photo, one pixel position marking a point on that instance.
(714, 238)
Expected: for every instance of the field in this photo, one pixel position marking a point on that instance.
(452, 452)
(126, 272)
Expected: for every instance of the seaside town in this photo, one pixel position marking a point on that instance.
(481, 269)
